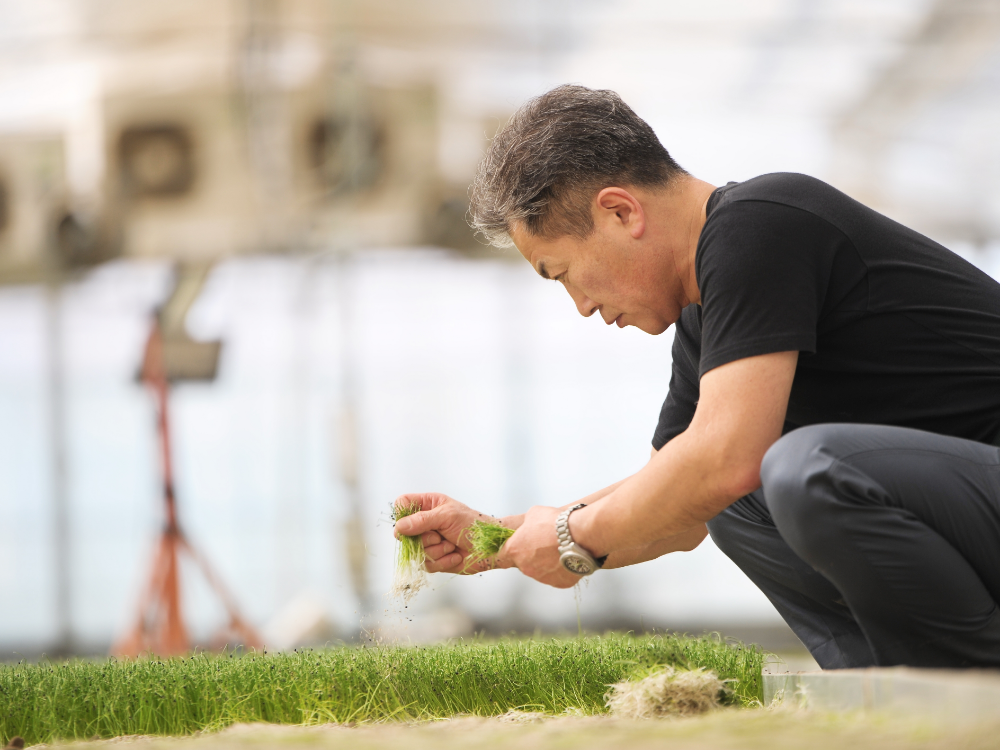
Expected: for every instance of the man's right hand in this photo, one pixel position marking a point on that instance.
(442, 523)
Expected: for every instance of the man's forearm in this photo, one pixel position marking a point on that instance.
(714, 462)
(514, 522)
(684, 542)
(690, 480)
(673, 494)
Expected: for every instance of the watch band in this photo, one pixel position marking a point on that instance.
(574, 557)
(562, 525)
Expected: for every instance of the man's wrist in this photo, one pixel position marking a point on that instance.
(581, 528)
(574, 558)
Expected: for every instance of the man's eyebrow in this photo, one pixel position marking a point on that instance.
(541, 270)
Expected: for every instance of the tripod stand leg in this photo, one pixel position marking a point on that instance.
(236, 622)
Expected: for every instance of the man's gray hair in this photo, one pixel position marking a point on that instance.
(560, 149)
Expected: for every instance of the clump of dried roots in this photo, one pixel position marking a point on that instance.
(485, 540)
(666, 691)
(411, 573)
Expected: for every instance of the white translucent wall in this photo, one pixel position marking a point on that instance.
(474, 378)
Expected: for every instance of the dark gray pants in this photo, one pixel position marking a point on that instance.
(878, 545)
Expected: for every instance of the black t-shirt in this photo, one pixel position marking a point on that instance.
(892, 328)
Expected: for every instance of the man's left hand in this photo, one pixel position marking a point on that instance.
(534, 550)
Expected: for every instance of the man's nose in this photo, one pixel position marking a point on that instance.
(584, 304)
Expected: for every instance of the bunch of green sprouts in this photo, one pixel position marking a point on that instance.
(411, 571)
(485, 540)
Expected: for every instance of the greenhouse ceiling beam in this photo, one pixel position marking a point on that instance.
(947, 49)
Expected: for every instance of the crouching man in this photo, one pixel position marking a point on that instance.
(833, 414)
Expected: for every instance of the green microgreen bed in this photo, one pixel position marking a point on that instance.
(85, 699)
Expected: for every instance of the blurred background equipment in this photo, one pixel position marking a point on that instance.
(291, 176)
(170, 355)
(156, 160)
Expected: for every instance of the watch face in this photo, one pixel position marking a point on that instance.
(576, 564)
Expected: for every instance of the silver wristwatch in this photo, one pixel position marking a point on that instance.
(574, 557)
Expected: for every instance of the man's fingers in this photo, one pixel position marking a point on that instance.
(450, 563)
(417, 524)
(454, 562)
(437, 551)
(430, 538)
(423, 499)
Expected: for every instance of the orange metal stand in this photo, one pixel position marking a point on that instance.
(159, 628)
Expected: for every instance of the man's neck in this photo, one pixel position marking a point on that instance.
(686, 206)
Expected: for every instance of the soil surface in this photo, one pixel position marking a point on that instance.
(734, 729)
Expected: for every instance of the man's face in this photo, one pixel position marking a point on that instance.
(608, 272)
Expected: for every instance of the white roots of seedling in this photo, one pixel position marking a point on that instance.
(666, 692)
(411, 576)
(411, 572)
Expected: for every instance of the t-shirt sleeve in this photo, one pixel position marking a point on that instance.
(763, 270)
(682, 398)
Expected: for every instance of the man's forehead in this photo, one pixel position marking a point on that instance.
(523, 242)
(538, 251)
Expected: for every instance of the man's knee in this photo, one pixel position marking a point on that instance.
(725, 530)
(793, 474)
(737, 530)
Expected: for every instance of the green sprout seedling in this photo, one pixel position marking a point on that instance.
(485, 540)
(411, 573)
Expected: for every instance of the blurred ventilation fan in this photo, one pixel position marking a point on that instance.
(156, 160)
(346, 153)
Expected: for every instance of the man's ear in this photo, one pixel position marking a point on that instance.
(621, 208)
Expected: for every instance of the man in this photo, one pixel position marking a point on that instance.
(834, 407)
